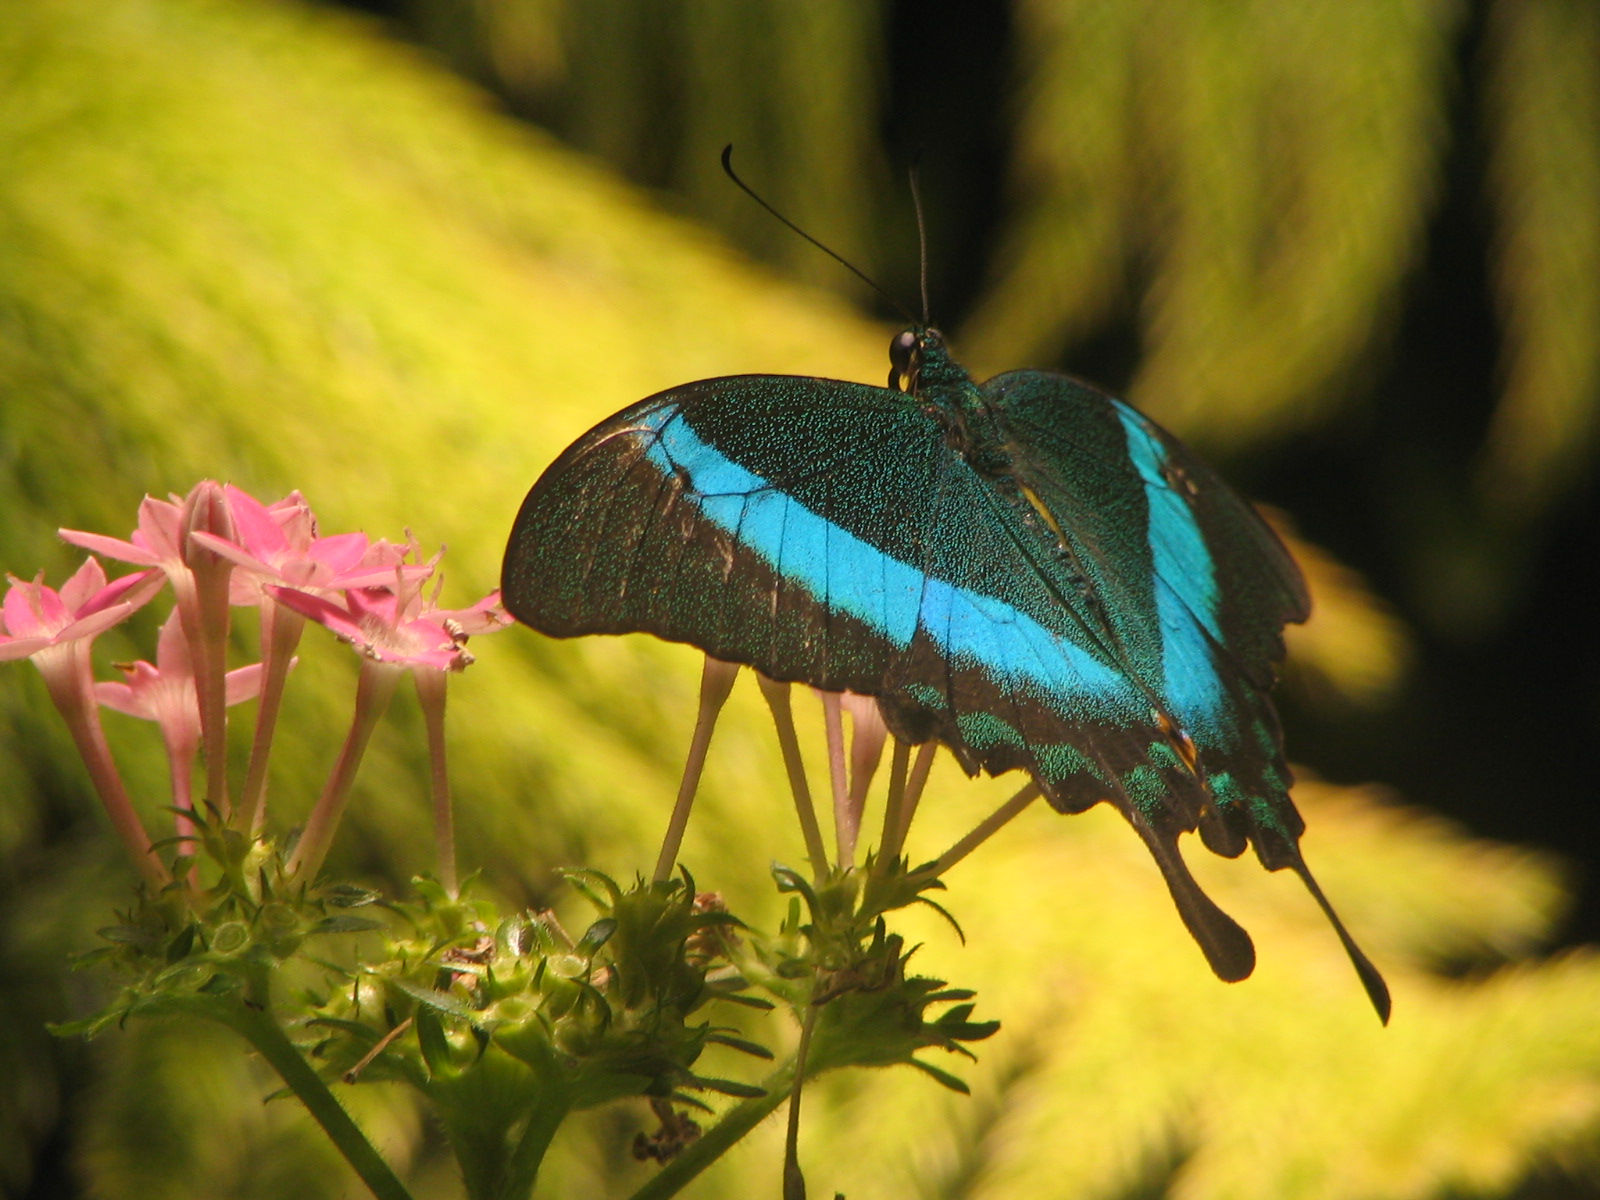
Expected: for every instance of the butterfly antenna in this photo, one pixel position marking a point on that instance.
(922, 242)
(727, 166)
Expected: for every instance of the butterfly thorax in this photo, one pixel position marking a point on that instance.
(922, 367)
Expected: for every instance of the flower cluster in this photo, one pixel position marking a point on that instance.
(220, 548)
(503, 1024)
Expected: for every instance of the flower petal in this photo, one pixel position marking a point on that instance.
(486, 616)
(245, 683)
(122, 698)
(24, 610)
(234, 553)
(95, 623)
(87, 582)
(160, 529)
(172, 650)
(136, 590)
(340, 552)
(113, 548)
(324, 612)
(23, 647)
(258, 532)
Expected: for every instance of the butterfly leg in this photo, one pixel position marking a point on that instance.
(716, 681)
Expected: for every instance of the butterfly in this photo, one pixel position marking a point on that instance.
(1028, 570)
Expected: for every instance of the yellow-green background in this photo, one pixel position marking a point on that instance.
(280, 245)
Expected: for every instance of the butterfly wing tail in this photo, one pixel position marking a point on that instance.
(1224, 942)
(1276, 855)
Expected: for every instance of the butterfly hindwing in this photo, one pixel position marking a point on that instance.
(1198, 593)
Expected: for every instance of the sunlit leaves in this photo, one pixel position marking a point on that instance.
(1354, 648)
(657, 89)
(1543, 112)
(1122, 1068)
(1262, 170)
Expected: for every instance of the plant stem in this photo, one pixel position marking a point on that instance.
(431, 692)
(985, 828)
(258, 1028)
(833, 723)
(889, 842)
(867, 735)
(794, 1180)
(721, 1137)
(281, 627)
(374, 688)
(716, 681)
(66, 676)
(914, 787)
(522, 1170)
(777, 697)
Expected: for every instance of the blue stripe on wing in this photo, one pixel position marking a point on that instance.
(892, 598)
(1186, 592)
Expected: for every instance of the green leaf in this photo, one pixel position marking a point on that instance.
(346, 925)
(954, 1083)
(595, 936)
(727, 1087)
(348, 895)
(138, 936)
(435, 1048)
(747, 1047)
(436, 1001)
(946, 915)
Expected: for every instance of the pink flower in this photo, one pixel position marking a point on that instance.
(401, 627)
(55, 630)
(165, 691)
(278, 544)
(395, 628)
(200, 578)
(37, 617)
(157, 542)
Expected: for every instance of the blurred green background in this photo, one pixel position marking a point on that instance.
(398, 258)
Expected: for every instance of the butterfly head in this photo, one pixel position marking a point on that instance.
(915, 354)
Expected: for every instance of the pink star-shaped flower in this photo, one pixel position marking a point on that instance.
(403, 630)
(39, 618)
(55, 630)
(157, 542)
(164, 692)
(278, 545)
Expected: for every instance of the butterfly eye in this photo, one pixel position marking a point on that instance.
(903, 350)
(905, 355)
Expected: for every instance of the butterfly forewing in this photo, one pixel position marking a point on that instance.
(697, 515)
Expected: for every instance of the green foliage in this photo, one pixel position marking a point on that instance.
(1255, 178)
(1543, 112)
(258, 242)
(504, 1033)
(657, 90)
(1281, 160)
